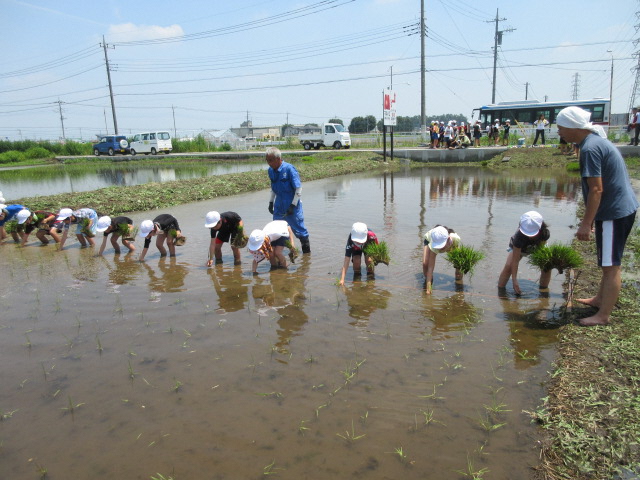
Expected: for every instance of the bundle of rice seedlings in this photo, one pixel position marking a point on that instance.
(557, 255)
(240, 240)
(178, 241)
(378, 252)
(86, 229)
(11, 227)
(125, 232)
(293, 251)
(464, 258)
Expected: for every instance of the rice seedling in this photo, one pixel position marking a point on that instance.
(270, 469)
(524, 355)
(176, 386)
(7, 415)
(496, 406)
(71, 407)
(556, 255)
(488, 425)
(378, 253)
(350, 436)
(464, 258)
(271, 394)
(240, 240)
(365, 417)
(293, 251)
(41, 470)
(126, 232)
(132, 374)
(302, 427)
(400, 453)
(159, 476)
(28, 344)
(471, 472)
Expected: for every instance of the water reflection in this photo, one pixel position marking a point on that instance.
(76, 178)
(231, 288)
(285, 293)
(123, 270)
(449, 314)
(170, 277)
(363, 299)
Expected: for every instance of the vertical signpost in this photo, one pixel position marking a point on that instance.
(389, 117)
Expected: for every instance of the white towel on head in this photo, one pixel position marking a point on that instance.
(576, 117)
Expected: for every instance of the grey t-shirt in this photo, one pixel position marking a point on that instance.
(599, 158)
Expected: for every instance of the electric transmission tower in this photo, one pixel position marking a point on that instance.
(575, 86)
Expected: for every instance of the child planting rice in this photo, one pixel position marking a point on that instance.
(85, 219)
(40, 220)
(439, 239)
(269, 243)
(531, 233)
(117, 227)
(225, 227)
(161, 227)
(359, 240)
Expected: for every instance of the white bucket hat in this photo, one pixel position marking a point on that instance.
(103, 223)
(211, 219)
(64, 214)
(359, 232)
(146, 227)
(439, 237)
(22, 216)
(530, 223)
(256, 239)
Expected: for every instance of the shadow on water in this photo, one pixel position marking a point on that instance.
(197, 372)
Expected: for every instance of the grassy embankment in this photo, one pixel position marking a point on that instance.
(591, 417)
(119, 200)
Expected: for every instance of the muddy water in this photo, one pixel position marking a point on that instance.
(115, 369)
(19, 183)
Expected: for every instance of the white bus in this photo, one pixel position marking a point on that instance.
(151, 143)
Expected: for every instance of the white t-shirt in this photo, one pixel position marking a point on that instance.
(540, 124)
(276, 229)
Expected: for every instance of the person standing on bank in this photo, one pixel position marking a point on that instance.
(610, 205)
(540, 125)
(116, 227)
(634, 126)
(505, 133)
(161, 226)
(532, 231)
(359, 238)
(224, 227)
(285, 203)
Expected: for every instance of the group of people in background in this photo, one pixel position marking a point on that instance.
(610, 209)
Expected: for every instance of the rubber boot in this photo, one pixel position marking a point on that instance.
(306, 247)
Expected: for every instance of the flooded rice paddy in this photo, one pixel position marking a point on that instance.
(49, 180)
(113, 368)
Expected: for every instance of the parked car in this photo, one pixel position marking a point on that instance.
(111, 144)
(151, 143)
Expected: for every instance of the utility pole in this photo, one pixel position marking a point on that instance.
(106, 129)
(636, 83)
(526, 91)
(61, 119)
(423, 87)
(113, 105)
(175, 134)
(497, 41)
(575, 86)
(611, 85)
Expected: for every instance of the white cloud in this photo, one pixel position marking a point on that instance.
(127, 32)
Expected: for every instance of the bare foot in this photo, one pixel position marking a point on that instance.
(592, 302)
(593, 321)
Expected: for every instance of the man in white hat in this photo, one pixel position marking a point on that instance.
(610, 205)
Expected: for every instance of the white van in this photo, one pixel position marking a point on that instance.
(151, 143)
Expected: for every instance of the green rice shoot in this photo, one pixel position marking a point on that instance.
(11, 226)
(293, 251)
(86, 228)
(464, 258)
(378, 253)
(240, 240)
(557, 255)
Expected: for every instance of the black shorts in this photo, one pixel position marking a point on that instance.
(611, 236)
(279, 242)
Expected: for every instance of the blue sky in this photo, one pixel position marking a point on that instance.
(213, 64)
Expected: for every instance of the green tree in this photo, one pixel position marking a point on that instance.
(362, 124)
(336, 120)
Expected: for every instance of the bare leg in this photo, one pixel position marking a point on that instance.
(81, 239)
(160, 244)
(506, 272)
(545, 278)
(606, 298)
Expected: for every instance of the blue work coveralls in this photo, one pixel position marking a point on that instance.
(284, 182)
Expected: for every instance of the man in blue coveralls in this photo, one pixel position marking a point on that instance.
(285, 201)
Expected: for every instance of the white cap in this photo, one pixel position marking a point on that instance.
(64, 214)
(2, 200)
(211, 219)
(22, 216)
(439, 237)
(530, 223)
(146, 227)
(359, 232)
(103, 223)
(256, 239)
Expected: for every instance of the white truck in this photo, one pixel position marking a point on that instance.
(332, 135)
